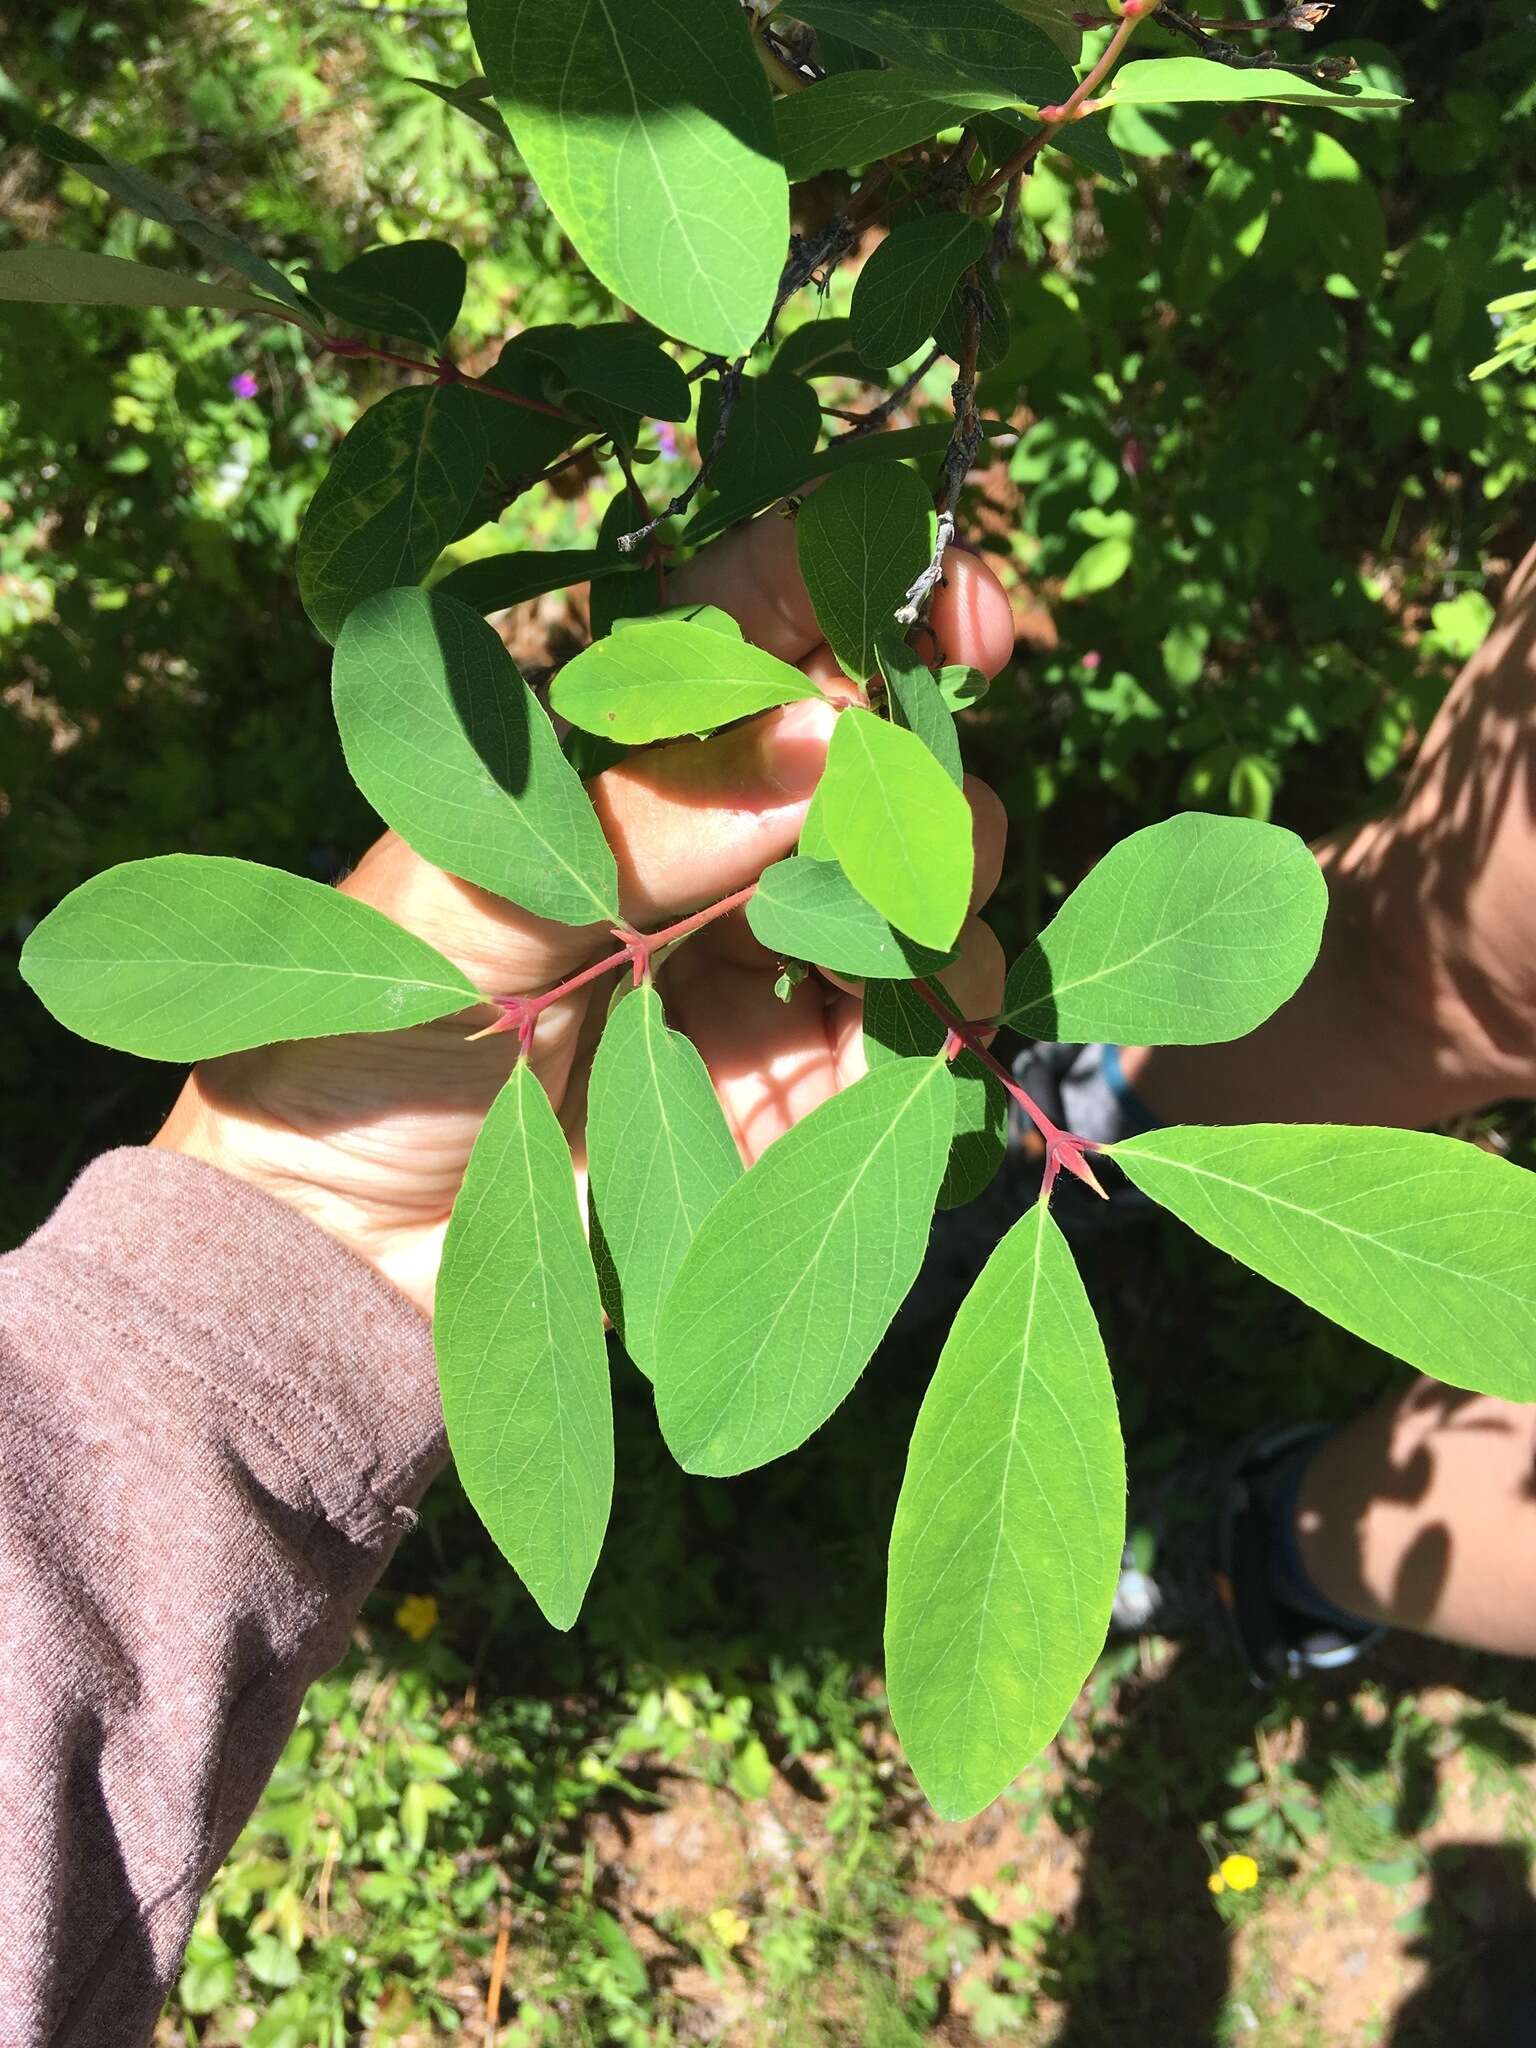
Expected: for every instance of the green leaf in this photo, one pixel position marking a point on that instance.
(908, 281)
(1188, 933)
(659, 1156)
(1099, 568)
(898, 1024)
(849, 451)
(916, 702)
(774, 426)
(1057, 18)
(815, 844)
(1418, 1244)
(996, 328)
(981, 41)
(497, 581)
(185, 956)
(1086, 142)
(822, 348)
(1172, 81)
(521, 442)
(858, 117)
(1006, 1545)
(650, 135)
(79, 277)
(631, 592)
(452, 749)
(660, 678)
(147, 196)
(863, 539)
(795, 1274)
(412, 290)
(520, 1352)
(394, 496)
(899, 826)
(469, 98)
(808, 909)
(621, 365)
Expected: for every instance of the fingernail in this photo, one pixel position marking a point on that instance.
(794, 748)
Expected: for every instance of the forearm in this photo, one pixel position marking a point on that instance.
(217, 1423)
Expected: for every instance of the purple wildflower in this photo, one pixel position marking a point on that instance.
(243, 384)
(666, 439)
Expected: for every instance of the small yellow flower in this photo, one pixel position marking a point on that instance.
(417, 1615)
(728, 1927)
(1241, 1872)
(1216, 1883)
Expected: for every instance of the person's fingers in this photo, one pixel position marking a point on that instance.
(691, 823)
(754, 575)
(972, 982)
(989, 832)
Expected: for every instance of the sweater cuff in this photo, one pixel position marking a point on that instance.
(291, 1348)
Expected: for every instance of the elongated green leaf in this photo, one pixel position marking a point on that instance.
(1188, 933)
(815, 844)
(147, 196)
(898, 1024)
(650, 134)
(808, 909)
(1419, 1244)
(863, 539)
(660, 678)
(520, 1353)
(981, 41)
(497, 581)
(823, 348)
(907, 283)
(659, 1156)
(185, 956)
(1055, 18)
(773, 427)
(916, 702)
(795, 1274)
(79, 277)
(1006, 1545)
(412, 290)
(621, 365)
(849, 451)
(1171, 81)
(899, 826)
(470, 98)
(393, 498)
(451, 747)
(858, 117)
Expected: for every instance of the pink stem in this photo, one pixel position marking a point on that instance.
(1062, 1148)
(446, 371)
(1052, 117)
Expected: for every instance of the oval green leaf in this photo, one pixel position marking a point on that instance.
(863, 539)
(495, 582)
(520, 1353)
(898, 1024)
(659, 1157)
(1006, 1545)
(808, 909)
(796, 1273)
(1173, 81)
(899, 826)
(185, 956)
(412, 290)
(1188, 933)
(80, 277)
(660, 678)
(916, 701)
(858, 117)
(981, 41)
(774, 425)
(907, 282)
(650, 135)
(394, 496)
(1418, 1244)
(452, 749)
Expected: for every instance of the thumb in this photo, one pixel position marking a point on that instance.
(689, 823)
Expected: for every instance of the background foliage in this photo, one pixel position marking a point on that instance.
(1249, 544)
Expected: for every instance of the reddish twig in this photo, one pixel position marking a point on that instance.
(637, 950)
(446, 371)
(1062, 1148)
(1052, 118)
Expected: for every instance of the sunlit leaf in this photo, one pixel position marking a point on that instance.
(1419, 1244)
(863, 539)
(660, 678)
(807, 909)
(1188, 933)
(981, 41)
(659, 1156)
(185, 956)
(1170, 81)
(916, 701)
(898, 1024)
(451, 747)
(795, 1275)
(899, 826)
(520, 1352)
(79, 277)
(1006, 1545)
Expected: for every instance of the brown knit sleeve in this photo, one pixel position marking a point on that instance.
(215, 1422)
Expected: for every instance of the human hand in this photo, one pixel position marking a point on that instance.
(369, 1134)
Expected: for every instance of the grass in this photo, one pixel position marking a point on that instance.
(690, 1821)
